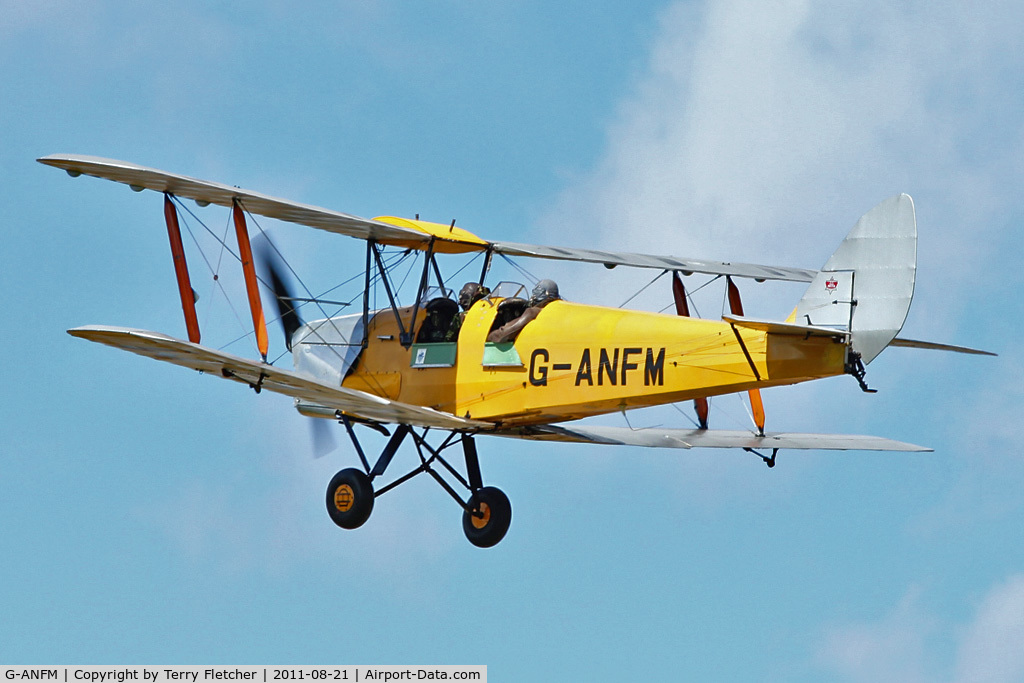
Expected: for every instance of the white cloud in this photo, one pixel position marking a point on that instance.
(990, 650)
(761, 132)
(905, 644)
(892, 649)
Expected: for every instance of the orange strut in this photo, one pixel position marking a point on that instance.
(252, 286)
(188, 297)
(756, 406)
(682, 308)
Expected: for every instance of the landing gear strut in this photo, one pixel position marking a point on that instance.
(770, 461)
(486, 515)
(855, 366)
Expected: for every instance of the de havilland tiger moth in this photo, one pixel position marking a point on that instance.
(510, 361)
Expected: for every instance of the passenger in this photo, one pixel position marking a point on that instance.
(444, 320)
(544, 293)
(470, 293)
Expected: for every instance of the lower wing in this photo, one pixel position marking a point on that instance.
(708, 438)
(366, 406)
(261, 376)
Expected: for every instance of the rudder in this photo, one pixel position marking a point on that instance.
(867, 285)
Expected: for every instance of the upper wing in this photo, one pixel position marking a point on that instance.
(140, 177)
(709, 438)
(263, 376)
(399, 232)
(611, 259)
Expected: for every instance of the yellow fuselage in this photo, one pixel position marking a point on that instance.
(579, 360)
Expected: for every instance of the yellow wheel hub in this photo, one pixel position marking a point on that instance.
(344, 498)
(481, 521)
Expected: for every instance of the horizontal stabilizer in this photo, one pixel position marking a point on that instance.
(263, 376)
(792, 329)
(914, 344)
(710, 438)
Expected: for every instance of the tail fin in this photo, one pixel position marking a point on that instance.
(868, 284)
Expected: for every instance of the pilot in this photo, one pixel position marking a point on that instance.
(448, 329)
(441, 323)
(470, 293)
(544, 293)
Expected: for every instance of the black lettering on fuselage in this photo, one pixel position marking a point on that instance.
(585, 372)
(626, 365)
(654, 368)
(539, 374)
(611, 366)
(615, 365)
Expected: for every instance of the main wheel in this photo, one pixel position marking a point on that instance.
(488, 517)
(350, 498)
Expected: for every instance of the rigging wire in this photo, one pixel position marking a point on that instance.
(223, 241)
(689, 296)
(641, 290)
(467, 265)
(330, 319)
(216, 277)
(407, 273)
(686, 415)
(225, 247)
(530, 276)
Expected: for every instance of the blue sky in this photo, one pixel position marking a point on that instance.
(153, 515)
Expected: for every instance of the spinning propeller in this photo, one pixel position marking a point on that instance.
(273, 267)
(271, 263)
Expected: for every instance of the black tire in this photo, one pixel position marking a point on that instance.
(488, 530)
(350, 498)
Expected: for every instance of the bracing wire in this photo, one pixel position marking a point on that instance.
(530, 276)
(689, 297)
(641, 290)
(217, 283)
(686, 415)
(225, 247)
(467, 265)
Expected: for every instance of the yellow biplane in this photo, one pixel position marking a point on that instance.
(522, 364)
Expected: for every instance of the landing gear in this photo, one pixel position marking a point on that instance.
(855, 366)
(350, 498)
(486, 515)
(770, 461)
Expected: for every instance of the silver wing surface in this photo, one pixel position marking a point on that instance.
(708, 438)
(932, 346)
(219, 364)
(209, 192)
(204, 191)
(610, 259)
